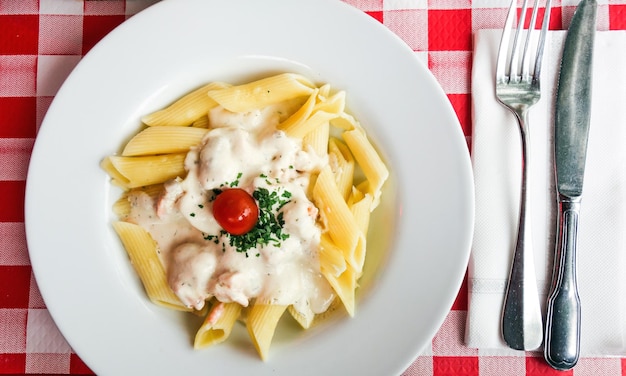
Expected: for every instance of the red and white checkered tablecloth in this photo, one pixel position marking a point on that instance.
(42, 40)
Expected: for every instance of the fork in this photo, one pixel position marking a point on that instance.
(517, 88)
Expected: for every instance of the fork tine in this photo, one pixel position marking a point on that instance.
(531, 31)
(521, 70)
(513, 68)
(542, 40)
(504, 43)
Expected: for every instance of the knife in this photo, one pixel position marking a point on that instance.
(571, 128)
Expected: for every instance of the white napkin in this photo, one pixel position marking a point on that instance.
(602, 228)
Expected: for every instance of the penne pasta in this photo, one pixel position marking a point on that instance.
(345, 121)
(372, 165)
(217, 325)
(324, 91)
(344, 285)
(142, 250)
(334, 306)
(261, 325)
(305, 319)
(148, 170)
(186, 110)
(342, 166)
(317, 139)
(340, 223)
(117, 178)
(295, 121)
(359, 255)
(316, 120)
(360, 205)
(360, 208)
(163, 140)
(331, 257)
(201, 122)
(309, 321)
(262, 93)
(121, 207)
(334, 104)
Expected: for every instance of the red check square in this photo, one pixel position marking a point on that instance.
(537, 366)
(455, 365)
(18, 117)
(12, 201)
(96, 27)
(460, 303)
(78, 367)
(14, 286)
(450, 29)
(462, 104)
(19, 34)
(12, 363)
(376, 15)
(555, 22)
(556, 18)
(617, 17)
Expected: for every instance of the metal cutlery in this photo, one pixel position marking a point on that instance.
(517, 88)
(573, 105)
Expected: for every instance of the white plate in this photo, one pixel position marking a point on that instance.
(420, 240)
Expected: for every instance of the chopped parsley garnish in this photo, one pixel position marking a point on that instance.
(231, 184)
(235, 182)
(269, 227)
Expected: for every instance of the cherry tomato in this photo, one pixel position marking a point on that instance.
(236, 211)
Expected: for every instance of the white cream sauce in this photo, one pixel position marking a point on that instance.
(247, 151)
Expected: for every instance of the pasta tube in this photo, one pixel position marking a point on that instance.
(217, 325)
(341, 226)
(261, 93)
(261, 324)
(293, 124)
(186, 110)
(367, 157)
(148, 170)
(163, 140)
(342, 165)
(344, 285)
(142, 250)
(305, 319)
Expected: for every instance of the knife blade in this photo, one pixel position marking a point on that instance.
(571, 130)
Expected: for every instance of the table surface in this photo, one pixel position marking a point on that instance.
(42, 40)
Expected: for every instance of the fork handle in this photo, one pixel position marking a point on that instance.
(562, 342)
(522, 325)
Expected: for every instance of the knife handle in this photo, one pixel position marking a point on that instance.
(562, 335)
